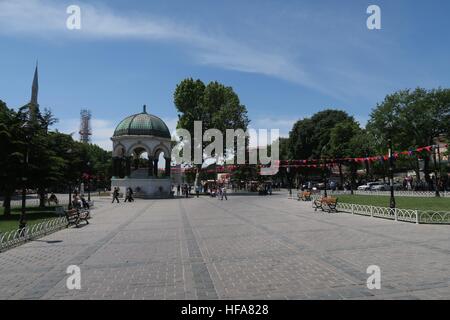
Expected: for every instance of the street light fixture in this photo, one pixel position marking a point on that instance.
(436, 181)
(391, 174)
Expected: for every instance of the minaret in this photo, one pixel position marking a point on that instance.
(33, 106)
(35, 87)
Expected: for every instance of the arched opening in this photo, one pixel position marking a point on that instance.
(162, 163)
(138, 163)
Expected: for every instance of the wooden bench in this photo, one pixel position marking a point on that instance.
(75, 216)
(330, 204)
(325, 204)
(304, 196)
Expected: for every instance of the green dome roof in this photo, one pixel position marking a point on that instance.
(142, 124)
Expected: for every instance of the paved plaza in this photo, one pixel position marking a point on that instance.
(248, 247)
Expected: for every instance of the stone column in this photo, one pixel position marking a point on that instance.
(167, 171)
(114, 167)
(127, 166)
(120, 166)
(155, 167)
(150, 167)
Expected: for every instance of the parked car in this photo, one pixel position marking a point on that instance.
(368, 186)
(380, 187)
(398, 186)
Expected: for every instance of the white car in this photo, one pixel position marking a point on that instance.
(368, 186)
(380, 187)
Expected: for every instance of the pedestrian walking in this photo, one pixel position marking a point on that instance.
(129, 195)
(178, 189)
(224, 192)
(116, 195)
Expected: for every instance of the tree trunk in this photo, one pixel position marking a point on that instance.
(341, 175)
(352, 178)
(426, 169)
(42, 197)
(417, 169)
(366, 162)
(7, 204)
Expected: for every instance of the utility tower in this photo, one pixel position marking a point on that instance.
(85, 126)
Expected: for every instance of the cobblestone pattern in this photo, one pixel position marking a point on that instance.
(245, 248)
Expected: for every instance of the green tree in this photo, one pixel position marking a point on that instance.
(347, 139)
(411, 119)
(216, 105)
(309, 136)
(11, 167)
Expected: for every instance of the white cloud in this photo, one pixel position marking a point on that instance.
(102, 131)
(45, 18)
(299, 46)
(283, 124)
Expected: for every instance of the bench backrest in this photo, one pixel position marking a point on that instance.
(71, 212)
(329, 200)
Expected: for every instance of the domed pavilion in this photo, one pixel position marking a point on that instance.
(139, 142)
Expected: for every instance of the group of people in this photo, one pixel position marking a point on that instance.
(184, 190)
(265, 189)
(128, 195)
(219, 191)
(79, 202)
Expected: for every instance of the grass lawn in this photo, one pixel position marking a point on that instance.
(416, 203)
(34, 215)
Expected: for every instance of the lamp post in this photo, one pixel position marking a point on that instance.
(89, 180)
(439, 166)
(69, 206)
(324, 171)
(22, 220)
(288, 171)
(391, 174)
(436, 182)
(352, 178)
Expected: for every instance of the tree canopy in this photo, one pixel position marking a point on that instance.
(215, 105)
(47, 160)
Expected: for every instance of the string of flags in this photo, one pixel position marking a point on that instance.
(318, 163)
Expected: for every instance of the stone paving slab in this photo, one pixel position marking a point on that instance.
(245, 248)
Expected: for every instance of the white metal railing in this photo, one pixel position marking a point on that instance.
(18, 236)
(15, 237)
(387, 193)
(397, 214)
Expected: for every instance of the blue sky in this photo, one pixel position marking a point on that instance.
(285, 59)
